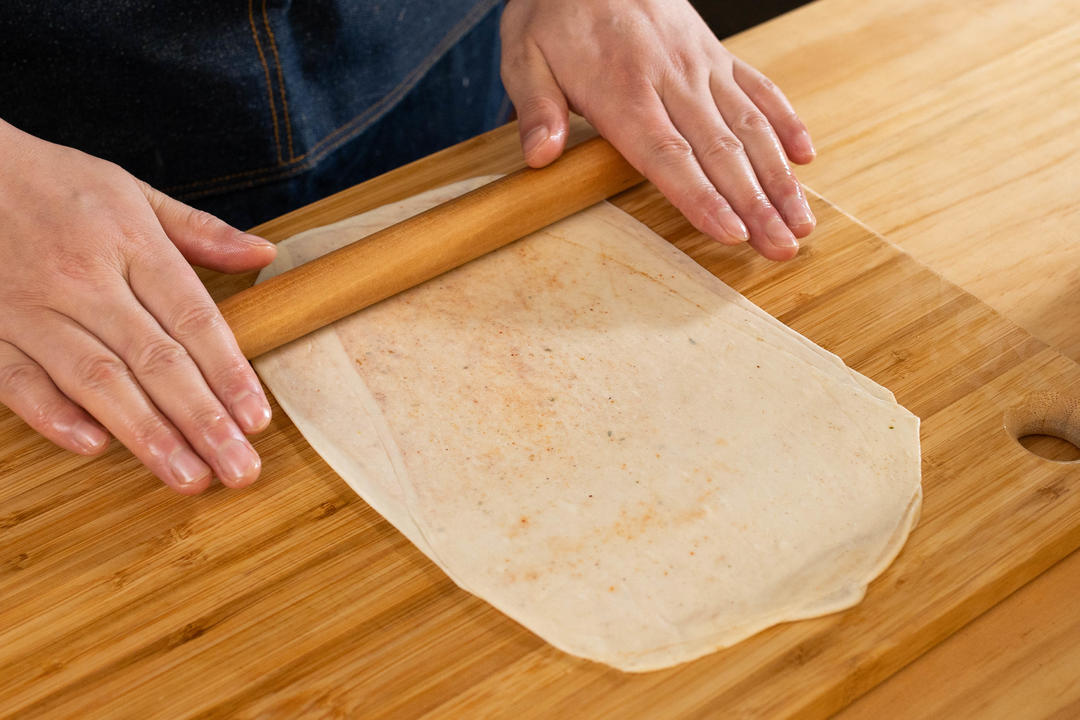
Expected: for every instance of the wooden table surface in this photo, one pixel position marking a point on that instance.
(948, 127)
(295, 599)
(952, 129)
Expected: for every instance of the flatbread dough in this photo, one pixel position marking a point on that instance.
(604, 441)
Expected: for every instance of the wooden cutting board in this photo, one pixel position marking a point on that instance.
(294, 598)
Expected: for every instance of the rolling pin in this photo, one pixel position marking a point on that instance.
(404, 255)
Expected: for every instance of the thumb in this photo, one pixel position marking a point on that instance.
(205, 240)
(543, 117)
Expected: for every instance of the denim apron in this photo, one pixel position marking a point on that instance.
(250, 108)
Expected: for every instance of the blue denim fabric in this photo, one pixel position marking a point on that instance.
(250, 108)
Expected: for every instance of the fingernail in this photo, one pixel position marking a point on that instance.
(536, 137)
(779, 235)
(255, 240)
(797, 212)
(187, 468)
(251, 411)
(805, 137)
(89, 437)
(238, 461)
(732, 225)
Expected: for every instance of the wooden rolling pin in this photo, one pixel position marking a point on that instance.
(404, 255)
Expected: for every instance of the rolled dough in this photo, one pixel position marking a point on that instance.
(604, 441)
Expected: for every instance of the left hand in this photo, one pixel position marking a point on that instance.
(707, 129)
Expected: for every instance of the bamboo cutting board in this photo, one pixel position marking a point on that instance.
(295, 599)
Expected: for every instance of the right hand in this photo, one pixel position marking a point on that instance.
(710, 131)
(105, 327)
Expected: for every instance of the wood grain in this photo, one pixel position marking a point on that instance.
(1018, 660)
(950, 127)
(294, 598)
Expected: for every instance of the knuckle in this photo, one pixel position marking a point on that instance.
(202, 222)
(627, 80)
(698, 203)
(99, 371)
(48, 414)
(159, 356)
(668, 145)
(514, 60)
(22, 299)
(634, 29)
(682, 64)
(722, 148)
(538, 105)
(16, 376)
(758, 206)
(765, 83)
(80, 266)
(150, 432)
(195, 319)
(141, 244)
(232, 377)
(89, 200)
(208, 417)
(752, 121)
(781, 178)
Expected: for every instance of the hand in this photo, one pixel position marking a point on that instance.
(707, 129)
(103, 325)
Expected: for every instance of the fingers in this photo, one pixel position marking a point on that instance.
(543, 116)
(186, 313)
(722, 155)
(29, 392)
(94, 377)
(206, 241)
(766, 155)
(168, 374)
(645, 136)
(770, 100)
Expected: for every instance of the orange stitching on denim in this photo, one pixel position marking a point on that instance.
(317, 151)
(280, 80)
(266, 71)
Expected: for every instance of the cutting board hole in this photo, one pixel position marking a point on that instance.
(1047, 425)
(1050, 447)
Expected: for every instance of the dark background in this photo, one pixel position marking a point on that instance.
(727, 17)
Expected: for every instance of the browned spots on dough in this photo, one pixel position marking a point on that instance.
(611, 588)
(697, 513)
(630, 526)
(721, 441)
(522, 525)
